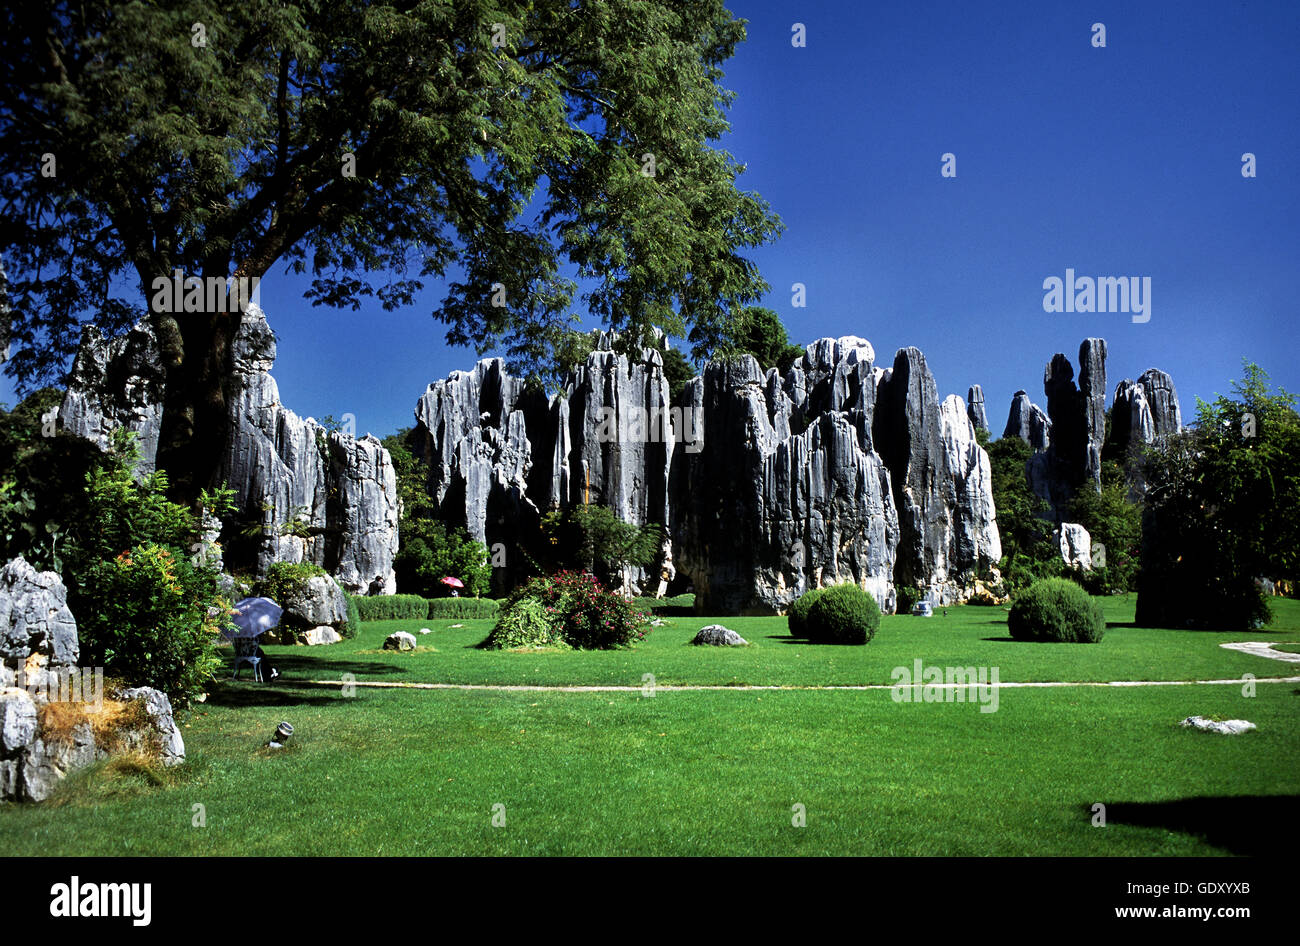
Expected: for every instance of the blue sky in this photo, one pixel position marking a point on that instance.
(1122, 161)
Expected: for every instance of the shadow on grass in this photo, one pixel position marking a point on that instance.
(1240, 824)
(249, 694)
(1000, 640)
(314, 666)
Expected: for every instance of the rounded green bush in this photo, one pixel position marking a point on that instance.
(797, 616)
(843, 614)
(1056, 609)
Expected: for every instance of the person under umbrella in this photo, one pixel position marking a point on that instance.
(455, 584)
(253, 617)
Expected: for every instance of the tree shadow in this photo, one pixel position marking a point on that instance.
(1001, 640)
(250, 694)
(1239, 824)
(288, 663)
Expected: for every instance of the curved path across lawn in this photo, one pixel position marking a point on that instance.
(1263, 649)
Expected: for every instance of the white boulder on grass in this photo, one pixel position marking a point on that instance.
(718, 636)
(1226, 727)
(400, 641)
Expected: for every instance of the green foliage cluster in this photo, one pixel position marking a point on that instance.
(42, 481)
(428, 549)
(1056, 609)
(579, 612)
(843, 614)
(797, 614)
(525, 623)
(675, 605)
(146, 612)
(906, 598)
(758, 331)
(1113, 519)
(593, 538)
(354, 615)
(1222, 510)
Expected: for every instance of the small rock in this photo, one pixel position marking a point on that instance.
(458, 625)
(1227, 727)
(400, 640)
(719, 636)
(425, 630)
(658, 622)
(321, 635)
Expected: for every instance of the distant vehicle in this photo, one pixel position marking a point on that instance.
(922, 609)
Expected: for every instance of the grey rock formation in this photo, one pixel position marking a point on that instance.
(39, 645)
(117, 383)
(1067, 441)
(161, 736)
(313, 613)
(400, 641)
(1029, 422)
(38, 634)
(766, 485)
(715, 635)
(1145, 412)
(341, 491)
(975, 408)
(1075, 544)
(941, 480)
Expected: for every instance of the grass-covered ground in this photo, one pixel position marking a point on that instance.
(412, 772)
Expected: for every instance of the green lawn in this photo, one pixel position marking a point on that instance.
(414, 772)
(968, 636)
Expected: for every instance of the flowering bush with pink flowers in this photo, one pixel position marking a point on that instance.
(579, 612)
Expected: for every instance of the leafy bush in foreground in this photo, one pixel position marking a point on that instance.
(843, 614)
(1056, 609)
(524, 623)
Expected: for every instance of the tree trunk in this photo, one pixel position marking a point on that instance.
(195, 425)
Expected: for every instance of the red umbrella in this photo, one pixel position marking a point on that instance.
(453, 582)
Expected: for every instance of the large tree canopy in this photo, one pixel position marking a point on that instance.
(511, 146)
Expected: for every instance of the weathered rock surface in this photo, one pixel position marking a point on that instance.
(161, 736)
(38, 640)
(1029, 422)
(1075, 544)
(975, 408)
(37, 631)
(766, 486)
(341, 490)
(941, 479)
(1145, 412)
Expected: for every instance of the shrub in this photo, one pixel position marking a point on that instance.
(354, 617)
(525, 623)
(392, 607)
(146, 612)
(843, 614)
(907, 598)
(797, 616)
(1056, 609)
(579, 611)
(679, 605)
(155, 623)
(462, 608)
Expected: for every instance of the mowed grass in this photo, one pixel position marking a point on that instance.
(392, 772)
(420, 772)
(967, 636)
